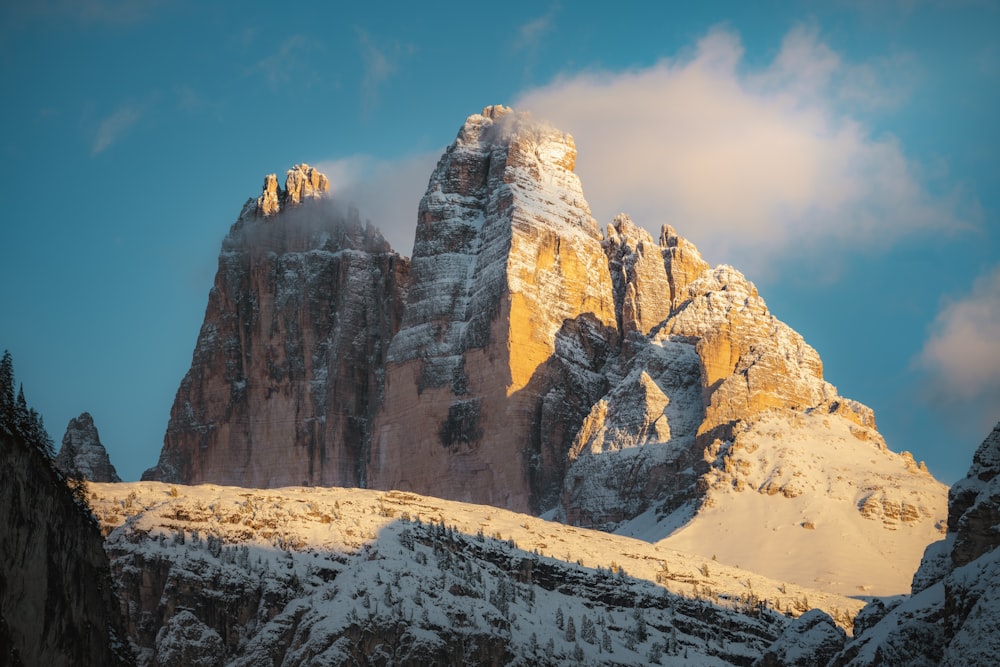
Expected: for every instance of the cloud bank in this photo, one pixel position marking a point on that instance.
(962, 351)
(753, 165)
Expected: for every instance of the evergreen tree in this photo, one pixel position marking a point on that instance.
(588, 632)
(7, 393)
(570, 630)
(559, 618)
(21, 414)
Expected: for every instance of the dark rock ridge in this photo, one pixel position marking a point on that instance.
(951, 616)
(82, 455)
(57, 603)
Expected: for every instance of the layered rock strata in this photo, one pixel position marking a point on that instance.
(286, 374)
(82, 455)
(507, 263)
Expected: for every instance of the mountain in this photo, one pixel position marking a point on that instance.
(225, 575)
(286, 374)
(527, 359)
(509, 317)
(82, 456)
(950, 617)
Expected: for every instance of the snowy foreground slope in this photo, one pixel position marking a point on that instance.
(214, 575)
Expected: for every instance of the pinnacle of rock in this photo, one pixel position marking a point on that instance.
(82, 455)
(302, 183)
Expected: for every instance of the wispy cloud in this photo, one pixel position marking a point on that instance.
(530, 34)
(753, 164)
(379, 65)
(962, 351)
(385, 192)
(292, 61)
(115, 126)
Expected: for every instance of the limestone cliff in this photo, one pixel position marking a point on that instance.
(286, 374)
(82, 455)
(509, 282)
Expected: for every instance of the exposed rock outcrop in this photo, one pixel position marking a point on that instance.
(57, 603)
(507, 258)
(302, 182)
(287, 371)
(811, 640)
(82, 455)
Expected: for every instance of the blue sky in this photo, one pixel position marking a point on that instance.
(844, 156)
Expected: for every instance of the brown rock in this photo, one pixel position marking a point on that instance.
(506, 257)
(286, 374)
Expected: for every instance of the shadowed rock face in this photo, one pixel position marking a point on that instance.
(57, 603)
(82, 455)
(286, 375)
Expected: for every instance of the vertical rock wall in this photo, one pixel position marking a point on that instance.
(506, 256)
(285, 376)
(57, 604)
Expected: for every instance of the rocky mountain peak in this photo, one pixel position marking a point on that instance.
(524, 359)
(82, 455)
(302, 182)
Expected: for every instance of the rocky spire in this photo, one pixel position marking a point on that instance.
(302, 182)
(82, 455)
(286, 373)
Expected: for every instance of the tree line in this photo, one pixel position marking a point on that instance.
(16, 418)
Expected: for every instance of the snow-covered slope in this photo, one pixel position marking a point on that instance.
(225, 575)
(798, 496)
(952, 617)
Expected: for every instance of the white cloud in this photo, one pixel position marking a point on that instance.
(378, 66)
(385, 192)
(114, 127)
(753, 165)
(962, 351)
(529, 35)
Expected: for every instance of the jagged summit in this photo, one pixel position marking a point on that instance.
(524, 359)
(302, 182)
(82, 455)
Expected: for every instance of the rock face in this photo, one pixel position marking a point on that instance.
(286, 375)
(525, 359)
(82, 455)
(57, 603)
(951, 616)
(507, 262)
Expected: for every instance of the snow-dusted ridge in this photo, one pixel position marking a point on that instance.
(308, 573)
